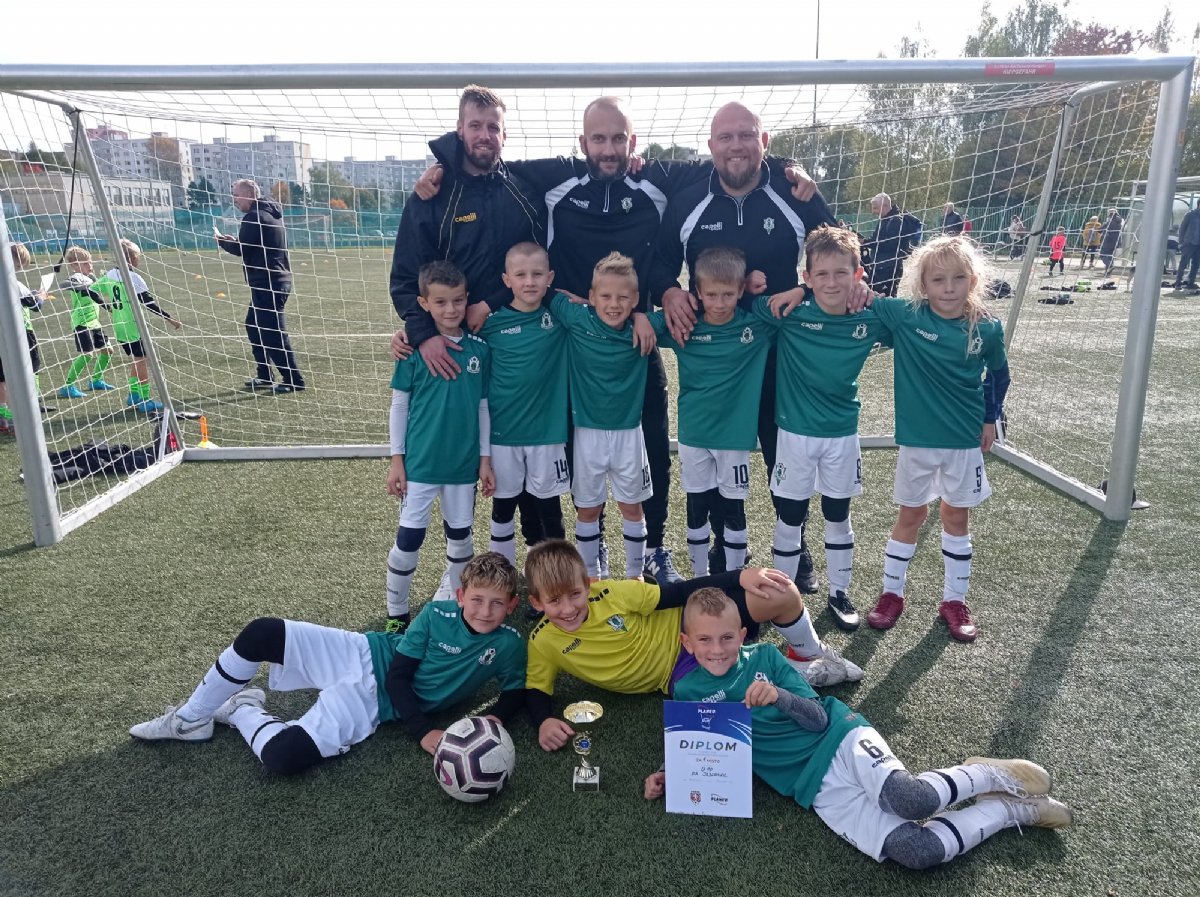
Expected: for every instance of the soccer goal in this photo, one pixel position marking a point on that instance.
(89, 156)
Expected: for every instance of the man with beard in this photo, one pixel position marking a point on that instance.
(483, 211)
(741, 204)
(596, 206)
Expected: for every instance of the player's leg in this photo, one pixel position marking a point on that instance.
(85, 349)
(458, 516)
(346, 711)
(276, 342)
(839, 478)
(698, 477)
(659, 564)
(103, 360)
(964, 485)
(508, 464)
(733, 484)
(547, 478)
(632, 485)
(589, 478)
(257, 316)
(415, 510)
(261, 640)
(914, 488)
(793, 477)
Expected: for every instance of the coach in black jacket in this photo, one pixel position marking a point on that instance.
(261, 244)
(896, 234)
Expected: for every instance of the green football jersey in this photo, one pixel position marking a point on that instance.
(455, 662)
(608, 373)
(938, 376)
(789, 758)
(120, 305)
(84, 312)
(720, 379)
(819, 359)
(442, 441)
(527, 392)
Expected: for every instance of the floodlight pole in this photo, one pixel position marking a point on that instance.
(1143, 311)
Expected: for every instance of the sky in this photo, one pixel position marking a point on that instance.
(544, 31)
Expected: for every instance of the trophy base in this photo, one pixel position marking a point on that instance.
(586, 779)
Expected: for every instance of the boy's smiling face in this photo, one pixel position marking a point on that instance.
(485, 607)
(614, 297)
(714, 641)
(568, 610)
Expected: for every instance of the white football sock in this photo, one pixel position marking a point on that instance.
(802, 636)
(735, 549)
(896, 558)
(786, 548)
(504, 540)
(634, 533)
(401, 565)
(587, 541)
(839, 555)
(224, 679)
(960, 830)
(956, 555)
(697, 541)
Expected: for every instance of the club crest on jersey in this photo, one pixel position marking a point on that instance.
(768, 224)
(547, 321)
(747, 335)
(860, 331)
(760, 676)
(617, 622)
(487, 656)
(976, 345)
(473, 365)
(627, 203)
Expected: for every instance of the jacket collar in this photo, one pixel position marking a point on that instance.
(448, 150)
(716, 189)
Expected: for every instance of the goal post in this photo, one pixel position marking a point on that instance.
(93, 154)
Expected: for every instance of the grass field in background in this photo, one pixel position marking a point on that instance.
(1086, 663)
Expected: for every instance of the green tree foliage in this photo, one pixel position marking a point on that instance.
(329, 184)
(674, 151)
(201, 194)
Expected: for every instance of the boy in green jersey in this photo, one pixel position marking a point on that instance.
(822, 350)
(125, 327)
(720, 381)
(828, 757)
(447, 654)
(441, 443)
(90, 340)
(951, 375)
(527, 399)
(29, 300)
(623, 635)
(607, 386)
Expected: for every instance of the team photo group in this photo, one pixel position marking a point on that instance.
(537, 297)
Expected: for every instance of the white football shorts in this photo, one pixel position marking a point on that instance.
(956, 476)
(458, 505)
(723, 469)
(619, 456)
(848, 800)
(806, 465)
(541, 470)
(339, 664)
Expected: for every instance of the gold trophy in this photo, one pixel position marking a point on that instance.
(586, 777)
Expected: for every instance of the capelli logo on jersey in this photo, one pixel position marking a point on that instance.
(450, 649)
(582, 203)
(474, 365)
(720, 225)
(976, 345)
(747, 336)
(487, 656)
(715, 699)
(701, 337)
(466, 219)
(860, 332)
(932, 337)
(812, 325)
(547, 321)
(512, 330)
(571, 647)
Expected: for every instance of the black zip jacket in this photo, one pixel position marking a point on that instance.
(262, 245)
(473, 221)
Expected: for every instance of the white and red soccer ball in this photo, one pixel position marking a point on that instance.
(474, 759)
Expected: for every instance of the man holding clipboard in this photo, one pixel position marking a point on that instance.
(829, 758)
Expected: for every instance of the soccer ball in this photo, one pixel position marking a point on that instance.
(474, 759)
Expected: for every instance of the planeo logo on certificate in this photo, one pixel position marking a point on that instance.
(708, 768)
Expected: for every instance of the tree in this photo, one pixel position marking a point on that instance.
(329, 184)
(201, 194)
(280, 193)
(1189, 161)
(1031, 29)
(366, 198)
(297, 194)
(672, 152)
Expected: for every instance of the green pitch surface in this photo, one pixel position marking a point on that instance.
(1086, 663)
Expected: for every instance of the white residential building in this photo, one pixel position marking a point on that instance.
(38, 205)
(267, 162)
(157, 157)
(389, 174)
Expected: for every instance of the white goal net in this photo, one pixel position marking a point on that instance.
(1000, 141)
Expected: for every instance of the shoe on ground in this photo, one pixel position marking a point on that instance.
(1018, 778)
(70, 391)
(1042, 811)
(6, 424)
(259, 383)
(806, 576)
(958, 618)
(397, 624)
(660, 567)
(888, 609)
(828, 668)
(102, 385)
(148, 406)
(445, 592)
(281, 389)
(255, 697)
(845, 617)
(169, 727)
